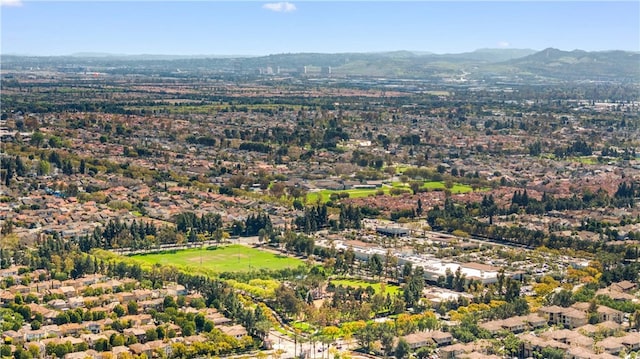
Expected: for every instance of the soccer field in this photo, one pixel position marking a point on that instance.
(233, 258)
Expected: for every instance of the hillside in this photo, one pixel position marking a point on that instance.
(581, 65)
(519, 65)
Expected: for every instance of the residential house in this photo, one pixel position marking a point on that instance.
(93, 327)
(14, 335)
(625, 286)
(192, 339)
(604, 313)
(73, 340)
(6, 296)
(552, 313)
(418, 340)
(139, 349)
(615, 295)
(237, 331)
(159, 346)
(570, 337)
(91, 339)
(76, 302)
(478, 355)
(493, 326)
(139, 333)
(573, 318)
(90, 279)
(176, 290)
(611, 345)
(216, 317)
(71, 329)
(34, 335)
(569, 317)
(67, 291)
(441, 338)
(176, 329)
(536, 321)
(22, 289)
(515, 324)
(83, 355)
(126, 297)
(119, 352)
(532, 344)
(41, 348)
(143, 294)
(585, 353)
(631, 341)
(52, 330)
(452, 351)
(588, 330)
(609, 327)
(155, 304)
(609, 314)
(10, 272)
(138, 319)
(58, 304)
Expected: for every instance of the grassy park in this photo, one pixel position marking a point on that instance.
(323, 195)
(355, 283)
(233, 258)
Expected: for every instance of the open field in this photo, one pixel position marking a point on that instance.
(233, 258)
(388, 288)
(323, 195)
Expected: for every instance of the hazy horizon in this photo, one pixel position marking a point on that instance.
(249, 28)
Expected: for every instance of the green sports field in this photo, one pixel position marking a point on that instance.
(233, 258)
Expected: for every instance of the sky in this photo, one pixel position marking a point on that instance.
(260, 28)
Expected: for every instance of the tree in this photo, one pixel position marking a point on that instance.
(552, 353)
(402, 349)
(415, 186)
(119, 310)
(37, 138)
(511, 344)
(562, 298)
(277, 189)
(287, 301)
(43, 168)
(386, 340)
(34, 351)
(366, 336)
(419, 209)
(375, 265)
(413, 289)
(102, 345)
(151, 334)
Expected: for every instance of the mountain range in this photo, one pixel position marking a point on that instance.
(513, 64)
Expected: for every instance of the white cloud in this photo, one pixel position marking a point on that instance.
(10, 2)
(280, 6)
(503, 44)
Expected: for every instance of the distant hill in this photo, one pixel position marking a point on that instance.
(500, 65)
(497, 55)
(578, 64)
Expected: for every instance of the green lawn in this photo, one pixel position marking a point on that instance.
(233, 258)
(389, 288)
(324, 194)
(587, 160)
